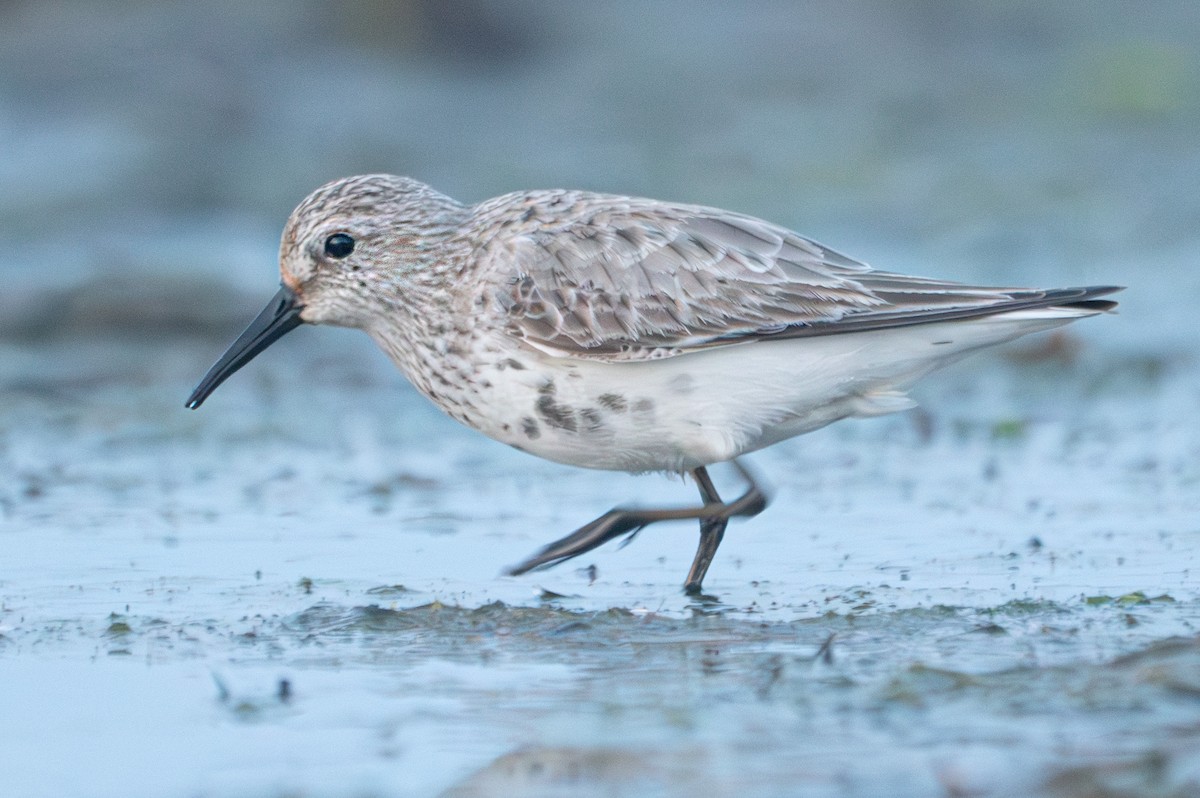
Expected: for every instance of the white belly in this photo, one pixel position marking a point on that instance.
(678, 413)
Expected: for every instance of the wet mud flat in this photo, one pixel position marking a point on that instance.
(295, 591)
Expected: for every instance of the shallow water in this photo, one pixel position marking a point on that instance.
(296, 590)
(924, 605)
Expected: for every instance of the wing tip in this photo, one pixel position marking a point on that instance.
(1084, 298)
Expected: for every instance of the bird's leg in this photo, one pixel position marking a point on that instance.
(713, 514)
(712, 526)
(712, 532)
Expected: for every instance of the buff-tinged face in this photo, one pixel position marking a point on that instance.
(333, 250)
(347, 251)
(350, 242)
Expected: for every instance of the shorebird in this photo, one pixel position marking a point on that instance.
(626, 334)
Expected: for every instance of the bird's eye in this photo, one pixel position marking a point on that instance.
(339, 245)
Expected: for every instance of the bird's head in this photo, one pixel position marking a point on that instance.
(350, 251)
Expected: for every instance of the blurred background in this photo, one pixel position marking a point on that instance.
(148, 143)
(993, 595)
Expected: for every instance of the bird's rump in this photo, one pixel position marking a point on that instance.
(614, 278)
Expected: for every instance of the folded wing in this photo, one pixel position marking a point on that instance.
(585, 275)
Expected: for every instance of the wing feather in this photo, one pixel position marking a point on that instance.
(589, 275)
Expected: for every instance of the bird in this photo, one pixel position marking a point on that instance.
(626, 334)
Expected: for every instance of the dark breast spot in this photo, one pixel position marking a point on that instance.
(530, 428)
(614, 402)
(556, 415)
(643, 406)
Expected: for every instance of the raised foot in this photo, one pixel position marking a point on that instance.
(612, 524)
(714, 516)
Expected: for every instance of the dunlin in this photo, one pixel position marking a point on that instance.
(625, 334)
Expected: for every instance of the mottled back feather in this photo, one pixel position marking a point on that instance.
(619, 278)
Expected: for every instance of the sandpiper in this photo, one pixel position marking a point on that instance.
(626, 334)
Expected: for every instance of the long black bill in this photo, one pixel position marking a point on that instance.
(279, 317)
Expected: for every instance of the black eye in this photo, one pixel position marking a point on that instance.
(339, 245)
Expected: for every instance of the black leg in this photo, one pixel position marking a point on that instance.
(713, 514)
(712, 532)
